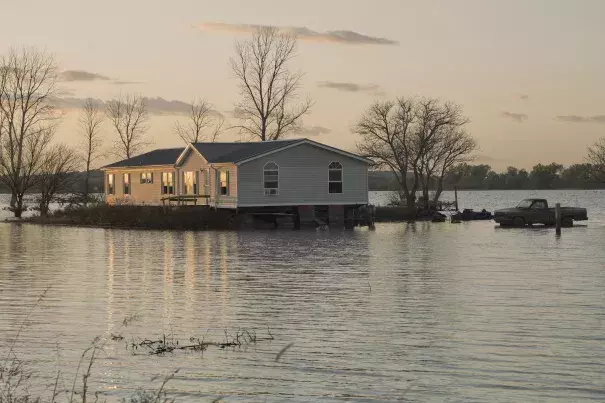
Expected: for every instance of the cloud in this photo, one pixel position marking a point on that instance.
(518, 117)
(87, 76)
(311, 131)
(524, 97)
(155, 106)
(81, 75)
(349, 87)
(117, 82)
(303, 33)
(600, 119)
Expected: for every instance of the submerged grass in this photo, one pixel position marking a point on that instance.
(17, 380)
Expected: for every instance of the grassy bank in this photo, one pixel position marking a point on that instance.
(177, 218)
(148, 217)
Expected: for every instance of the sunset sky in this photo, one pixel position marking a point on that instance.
(530, 74)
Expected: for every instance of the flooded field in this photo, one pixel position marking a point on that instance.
(425, 312)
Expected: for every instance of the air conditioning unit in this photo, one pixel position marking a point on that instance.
(269, 192)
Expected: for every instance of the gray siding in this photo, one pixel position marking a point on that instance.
(303, 179)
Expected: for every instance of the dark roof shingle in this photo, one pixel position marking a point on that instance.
(212, 152)
(164, 156)
(236, 152)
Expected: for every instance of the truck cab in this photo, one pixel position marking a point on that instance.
(533, 204)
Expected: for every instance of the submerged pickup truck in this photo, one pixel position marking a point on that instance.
(536, 211)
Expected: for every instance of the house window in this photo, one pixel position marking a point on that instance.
(167, 183)
(111, 188)
(335, 177)
(127, 184)
(190, 183)
(271, 178)
(146, 177)
(224, 182)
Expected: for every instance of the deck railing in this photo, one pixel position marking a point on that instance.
(186, 200)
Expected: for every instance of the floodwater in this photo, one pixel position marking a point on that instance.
(425, 312)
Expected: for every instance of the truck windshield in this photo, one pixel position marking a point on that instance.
(524, 204)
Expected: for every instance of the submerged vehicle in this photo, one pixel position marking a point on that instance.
(536, 211)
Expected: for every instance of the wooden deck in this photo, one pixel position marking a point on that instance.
(185, 200)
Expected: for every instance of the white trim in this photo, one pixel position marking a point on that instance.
(306, 141)
(189, 146)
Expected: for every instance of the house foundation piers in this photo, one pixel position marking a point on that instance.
(309, 216)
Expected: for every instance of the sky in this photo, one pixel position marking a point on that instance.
(528, 73)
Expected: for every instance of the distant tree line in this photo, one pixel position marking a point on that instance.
(482, 177)
(551, 176)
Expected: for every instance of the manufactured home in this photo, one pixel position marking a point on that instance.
(282, 173)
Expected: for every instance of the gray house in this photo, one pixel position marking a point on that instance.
(272, 174)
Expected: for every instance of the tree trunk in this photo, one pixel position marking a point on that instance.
(438, 193)
(411, 204)
(43, 206)
(18, 206)
(86, 186)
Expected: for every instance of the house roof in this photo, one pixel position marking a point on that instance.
(235, 152)
(163, 156)
(220, 153)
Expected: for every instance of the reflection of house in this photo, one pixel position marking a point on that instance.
(298, 172)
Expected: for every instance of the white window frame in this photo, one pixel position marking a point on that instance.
(341, 181)
(270, 191)
(129, 181)
(146, 178)
(187, 191)
(111, 184)
(169, 188)
(227, 181)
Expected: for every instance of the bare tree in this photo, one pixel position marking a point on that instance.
(28, 81)
(451, 146)
(416, 139)
(90, 122)
(268, 109)
(57, 175)
(201, 118)
(129, 116)
(596, 159)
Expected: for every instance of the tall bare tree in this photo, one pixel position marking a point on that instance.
(129, 117)
(417, 139)
(203, 123)
(269, 108)
(28, 81)
(90, 122)
(596, 159)
(57, 175)
(450, 147)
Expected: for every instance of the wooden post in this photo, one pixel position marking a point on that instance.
(558, 218)
(456, 197)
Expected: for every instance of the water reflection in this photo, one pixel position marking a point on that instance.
(409, 311)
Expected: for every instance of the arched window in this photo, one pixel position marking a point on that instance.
(271, 178)
(335, 177)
